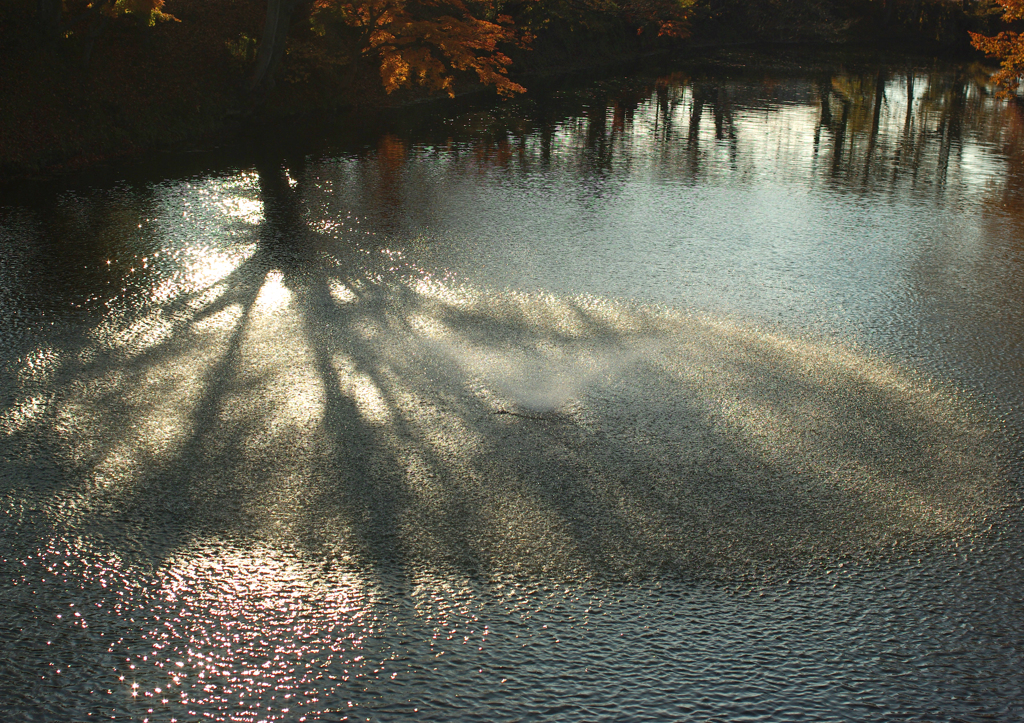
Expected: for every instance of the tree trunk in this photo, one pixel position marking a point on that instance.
(272, 45)
(90, 38)
(876, 119)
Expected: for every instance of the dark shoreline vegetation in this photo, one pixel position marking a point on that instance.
(182, 73)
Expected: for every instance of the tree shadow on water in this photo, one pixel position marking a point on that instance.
(395, 424)
(231, 470)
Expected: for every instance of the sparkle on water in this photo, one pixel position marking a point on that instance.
(332, 445)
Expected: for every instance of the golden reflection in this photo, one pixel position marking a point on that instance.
(249, 210)
(274, 295)
(361, 387)
(153, 408)
(450, 294)
(200, 271)
(280, 462)
(341, 293)
(428, 326)
(219, 321)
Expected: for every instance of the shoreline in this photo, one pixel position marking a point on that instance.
(226, 125)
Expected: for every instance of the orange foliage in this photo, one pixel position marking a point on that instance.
(1009, 46)
(426, 42)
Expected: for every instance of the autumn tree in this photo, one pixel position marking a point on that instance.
(432, 43)
(428, 42)
(410, 42)
(1008, 46)
(272, 45)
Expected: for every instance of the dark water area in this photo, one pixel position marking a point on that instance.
(688, 394)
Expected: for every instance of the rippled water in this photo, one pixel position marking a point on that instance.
(688, 395)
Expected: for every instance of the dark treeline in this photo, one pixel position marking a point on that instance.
(84, 79)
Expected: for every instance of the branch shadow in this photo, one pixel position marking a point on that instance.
(397, 425)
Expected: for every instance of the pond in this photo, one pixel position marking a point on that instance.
(692, 393)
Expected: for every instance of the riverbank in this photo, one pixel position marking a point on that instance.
(181, 82)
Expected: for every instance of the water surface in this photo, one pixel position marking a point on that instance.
(690, 394)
